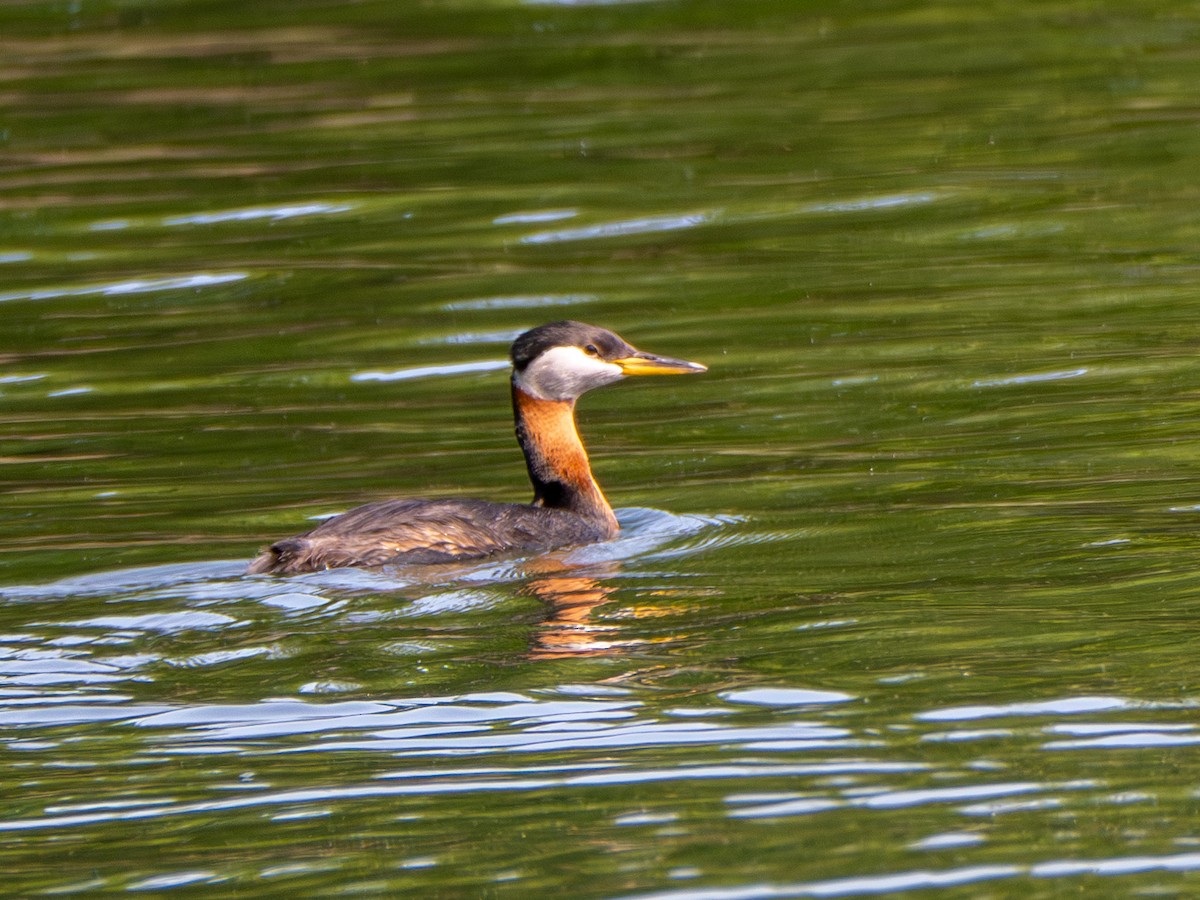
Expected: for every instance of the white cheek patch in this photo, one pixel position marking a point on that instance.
(563, 373)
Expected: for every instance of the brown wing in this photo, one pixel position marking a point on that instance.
(424, 531)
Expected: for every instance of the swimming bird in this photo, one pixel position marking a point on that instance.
(552, 366)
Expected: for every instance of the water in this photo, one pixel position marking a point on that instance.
(904, 598)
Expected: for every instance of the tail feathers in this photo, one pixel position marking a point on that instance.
(280, 558)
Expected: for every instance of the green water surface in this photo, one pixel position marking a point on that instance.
(905, 598)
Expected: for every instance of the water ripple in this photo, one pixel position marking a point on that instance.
(947, 840)
(647, 225)
(884, 201)
(490, 365)
(270, 213)
(923, 879)
(427, 783)
(784, 696)
(160, 622)
(806, 805)
(842, 887)
(131, 286)
(1136, 739)
(1032, 378)
(1064, 706)
(549, 215)
(523, 301)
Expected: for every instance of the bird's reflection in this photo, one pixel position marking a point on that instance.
(570, 596)
(572, 628)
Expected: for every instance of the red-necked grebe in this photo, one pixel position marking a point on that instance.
(552, 366)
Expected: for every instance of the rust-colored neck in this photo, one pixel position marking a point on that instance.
(558, 465)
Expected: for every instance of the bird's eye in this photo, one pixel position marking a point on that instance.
(591, 350)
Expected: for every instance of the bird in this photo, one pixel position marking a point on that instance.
(552, 366)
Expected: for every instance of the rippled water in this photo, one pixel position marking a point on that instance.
(903, 599)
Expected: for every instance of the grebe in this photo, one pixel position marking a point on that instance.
(552, 366)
